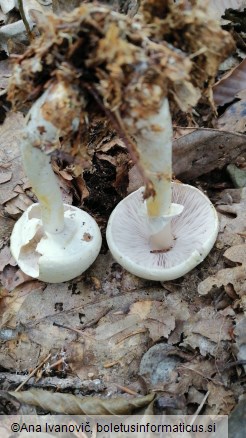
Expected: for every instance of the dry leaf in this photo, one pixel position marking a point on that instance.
(6, 258)
(158, 320)
(232, 217)
(224, 277)
(70, 404)
(240, 334)
(234, 118)
(6, 71)
(207, 330)
(230, 85)
(198, 153)
(236, 254)
(220, 400)
(218, 7)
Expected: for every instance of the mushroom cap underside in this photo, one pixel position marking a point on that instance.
(195, 231)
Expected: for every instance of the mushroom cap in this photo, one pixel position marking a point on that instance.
(55, 258)
(195, 231)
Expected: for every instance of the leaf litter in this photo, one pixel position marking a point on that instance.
(103, 324)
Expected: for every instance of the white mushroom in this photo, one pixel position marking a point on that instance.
(170, 233)
(51, 241)
(194, 232)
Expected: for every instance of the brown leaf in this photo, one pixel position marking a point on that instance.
(229, 276)
(220, 400)
(156, 318)
(197, 373)
(232, 83)
(236, 254)
(207, 330)
(198, 153)
(5, 73)
(203, 150)
(4, 177)
(234, 118)
(232, 218)
(5, 257)
(67, 176)
(70, 404)
(10, 133)
(240, 334)
(211, 325)
(12, 277)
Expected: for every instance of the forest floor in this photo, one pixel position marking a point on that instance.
(108, 333)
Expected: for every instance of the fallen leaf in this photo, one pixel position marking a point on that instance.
(229, 276)
(220, 400)
(226, 89)
(70, 404)
(208, 330)
(234, 118)
(236, 254)
(6, 71)
(156, 317)
(232, 218)
(218, 7)
(5, 258)
(240, 335)
(198, 153)
(203, 150)
(12, 277)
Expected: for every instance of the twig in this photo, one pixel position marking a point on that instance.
(95, 320)
(129, 335)
(202, 375)
(32, 373)
(24, 19)
(79, 332)
(111, 364)
(200, 408)
(53, 382)
(233, 364)
(127, 390)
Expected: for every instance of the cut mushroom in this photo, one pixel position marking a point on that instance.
(55, 257)
(194, 232)
(52, 241)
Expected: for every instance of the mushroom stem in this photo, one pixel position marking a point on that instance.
(52, 241)
(44, 184)
(155, 146)
(40, 132)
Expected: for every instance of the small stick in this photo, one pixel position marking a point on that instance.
(111, 364)
(32, 373)
(200, 408)
(234, 364)
(127, 390)
(56, 324)
(129, 335)
(95, 320)
(24, 19)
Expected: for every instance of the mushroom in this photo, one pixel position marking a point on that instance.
(52, 241)
(129, 71)
(167, 235)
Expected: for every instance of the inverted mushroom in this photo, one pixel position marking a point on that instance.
(52, 241)
(171, 232)
(194, 232)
